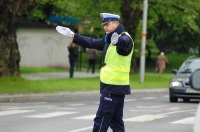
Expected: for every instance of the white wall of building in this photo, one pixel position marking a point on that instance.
(42, 48)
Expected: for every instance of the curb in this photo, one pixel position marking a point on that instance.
(64, 95)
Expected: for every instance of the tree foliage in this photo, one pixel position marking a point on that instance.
(172, 24)
(86, 11)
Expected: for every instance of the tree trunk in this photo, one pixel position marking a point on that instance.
(9, 54)
(11, 14)
(131, 16)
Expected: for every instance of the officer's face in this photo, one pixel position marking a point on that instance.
(110, 26)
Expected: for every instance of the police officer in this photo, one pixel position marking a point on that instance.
(117, 49)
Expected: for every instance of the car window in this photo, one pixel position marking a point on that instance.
(189, 66)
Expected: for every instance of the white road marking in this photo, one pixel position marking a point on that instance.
(129, 100)
(174, 112)
(62, 108)
(31, 107)
(76, 104)
(151, 107)
(145, 118)
(87, 117)
(49, 115)
(154, 111)
(173, 108)
(165, 96)
(36, 102)
(189, 120)
(82, 129)
(148, 98)
(11, 112)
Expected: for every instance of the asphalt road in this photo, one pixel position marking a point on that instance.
(142, 113)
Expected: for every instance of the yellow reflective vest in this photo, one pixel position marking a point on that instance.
(117, 68)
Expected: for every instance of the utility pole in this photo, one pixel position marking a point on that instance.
(143, 46)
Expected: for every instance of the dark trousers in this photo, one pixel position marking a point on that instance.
(110, 113)
(72, 61)
(92, 63)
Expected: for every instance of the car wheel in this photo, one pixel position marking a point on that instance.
(186, 99)
(173, 99)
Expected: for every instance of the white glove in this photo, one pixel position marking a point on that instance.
(114, 38)
(65, 31)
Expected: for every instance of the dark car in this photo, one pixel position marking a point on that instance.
(179, 84)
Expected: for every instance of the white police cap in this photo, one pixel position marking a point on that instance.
(106, 17)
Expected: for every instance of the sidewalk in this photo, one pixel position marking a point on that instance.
(64, 95)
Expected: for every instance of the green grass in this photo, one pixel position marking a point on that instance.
(151, 80)
(36, 70)
(175, 60)
(12, 85)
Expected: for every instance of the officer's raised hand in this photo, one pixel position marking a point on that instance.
(65, 31)
(114, 38)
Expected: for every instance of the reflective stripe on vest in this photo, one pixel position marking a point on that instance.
(117, 68)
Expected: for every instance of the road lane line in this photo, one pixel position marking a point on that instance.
(62, 108)
(145, 118)
(31, 107)
(82, 129)
(152, 111)
(129, 100)
(49, 115)
(86, 117)
(189, 120)
(76, 104)
(175, 112)
(152, 107)
(12, 112)
(149, 98)
(165, 96)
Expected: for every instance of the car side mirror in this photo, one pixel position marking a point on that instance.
(195, 80)
(174, 71)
